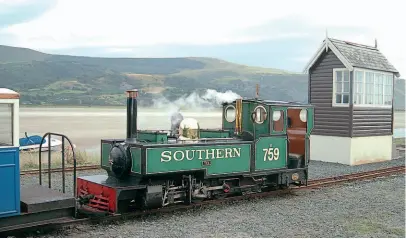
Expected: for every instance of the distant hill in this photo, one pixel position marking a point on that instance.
(72, 80)
(10, 54)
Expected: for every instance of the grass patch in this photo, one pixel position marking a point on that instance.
(146, 77)
(153, 89)
(30, 160)
(218, 64)
(66, 85)
(70, 92)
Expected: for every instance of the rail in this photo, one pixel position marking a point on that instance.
(58, 170)
(49, 134)
(355, 176)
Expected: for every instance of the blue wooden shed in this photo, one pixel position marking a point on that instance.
(9, 153)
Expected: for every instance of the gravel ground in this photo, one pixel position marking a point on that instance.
(374, 208)
(317, 169)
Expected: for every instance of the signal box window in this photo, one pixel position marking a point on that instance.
(341, 87)
(6, 122)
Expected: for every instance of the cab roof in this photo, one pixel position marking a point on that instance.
(274, 103)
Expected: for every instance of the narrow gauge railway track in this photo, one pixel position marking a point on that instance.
(355, 176)
(58, 170)
(317, 183)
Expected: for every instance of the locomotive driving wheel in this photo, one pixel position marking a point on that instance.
(149, 198)
(141, 201)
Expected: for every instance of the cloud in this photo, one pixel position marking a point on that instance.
(115, 23)
(138, 23)
(19, 11)
(154, 28)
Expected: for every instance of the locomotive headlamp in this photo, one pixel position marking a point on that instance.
(295, 176)
(303, 115)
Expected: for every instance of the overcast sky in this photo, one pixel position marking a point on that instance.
(280, 34)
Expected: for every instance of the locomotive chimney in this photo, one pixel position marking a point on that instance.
(132, 115)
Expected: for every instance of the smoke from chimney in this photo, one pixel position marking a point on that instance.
(209, 100)
(176, 118)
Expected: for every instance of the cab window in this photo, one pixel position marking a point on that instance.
(278, 120)
(259, 115)
(229, 113)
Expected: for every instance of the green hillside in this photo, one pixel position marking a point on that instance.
(16, 54)
(71, 80)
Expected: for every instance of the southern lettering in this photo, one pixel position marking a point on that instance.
(202, 154)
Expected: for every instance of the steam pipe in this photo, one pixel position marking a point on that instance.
(132, 115)
(238, 114)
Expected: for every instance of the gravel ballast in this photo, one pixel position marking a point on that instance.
(360, 209)
(319, 169)
(374, 208)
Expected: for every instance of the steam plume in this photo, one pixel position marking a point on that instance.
(209, 100)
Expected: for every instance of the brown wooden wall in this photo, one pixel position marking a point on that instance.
(371, 122)
(328, 120)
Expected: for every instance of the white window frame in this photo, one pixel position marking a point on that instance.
(15, 121)
(363, 105)
(334, 88)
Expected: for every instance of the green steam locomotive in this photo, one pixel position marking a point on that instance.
(261, 145)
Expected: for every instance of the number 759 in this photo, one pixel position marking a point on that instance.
(271, 154)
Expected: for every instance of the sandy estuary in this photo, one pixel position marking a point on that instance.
(87, 126)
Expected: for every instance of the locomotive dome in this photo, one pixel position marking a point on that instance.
(189, 129)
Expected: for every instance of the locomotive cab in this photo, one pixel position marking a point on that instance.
(251, 119)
